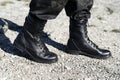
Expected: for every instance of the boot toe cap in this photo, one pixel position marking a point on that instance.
(105, 54)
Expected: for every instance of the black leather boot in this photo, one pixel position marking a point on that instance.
(30, 41)
(79, 42)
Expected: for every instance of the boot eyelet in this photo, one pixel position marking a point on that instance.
(43, 51)
(41, 48)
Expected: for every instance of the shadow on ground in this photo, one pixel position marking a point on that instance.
(7, 46)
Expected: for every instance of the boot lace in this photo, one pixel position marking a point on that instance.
(88, 39)
(40, 42)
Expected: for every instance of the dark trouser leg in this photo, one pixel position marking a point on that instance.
(79, 42)
(79, 8)
(46, 9)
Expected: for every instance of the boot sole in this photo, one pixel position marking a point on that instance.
(34, 59)
(74, 52)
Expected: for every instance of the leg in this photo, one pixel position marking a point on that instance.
(46, 9)
(79, 42)
(78, 8)
(30, 39)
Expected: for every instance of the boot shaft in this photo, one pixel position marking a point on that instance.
(34, 25)
(78, 28)
(78, 23)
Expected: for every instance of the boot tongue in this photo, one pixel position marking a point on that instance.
(37, 36)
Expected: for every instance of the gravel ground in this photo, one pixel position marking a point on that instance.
(104, 30)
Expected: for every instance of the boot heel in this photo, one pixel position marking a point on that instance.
(19, 47)
(73, 52)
